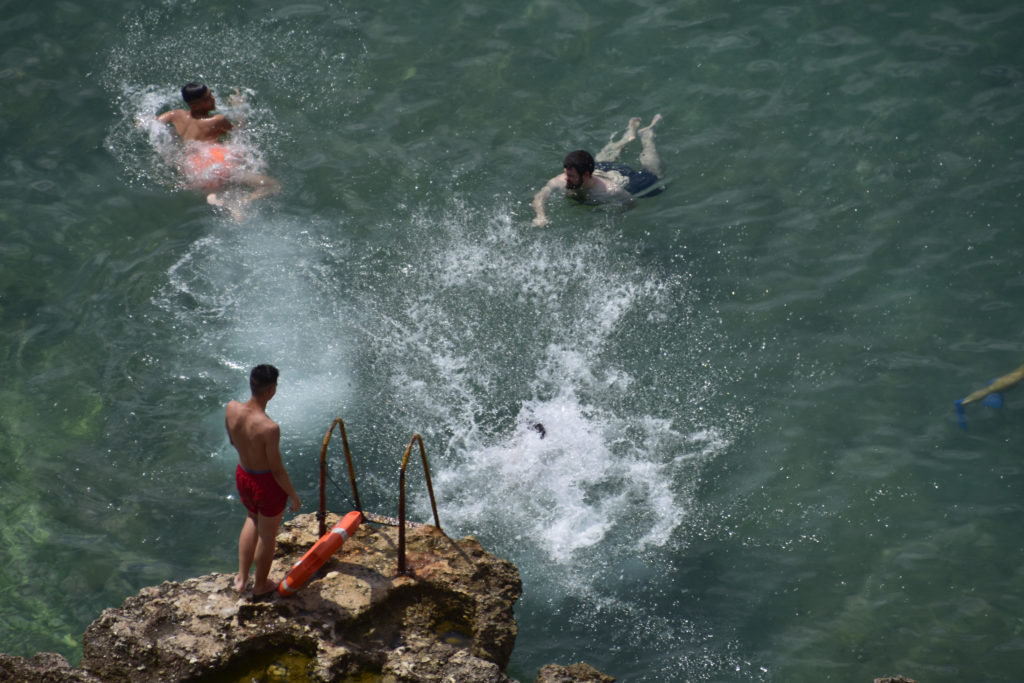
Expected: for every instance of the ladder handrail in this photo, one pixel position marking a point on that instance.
(401, 498)
(322, 513)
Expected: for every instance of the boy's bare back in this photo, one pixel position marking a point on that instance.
(253, 434)
(197, 129)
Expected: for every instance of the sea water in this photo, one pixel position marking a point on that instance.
(750, 468)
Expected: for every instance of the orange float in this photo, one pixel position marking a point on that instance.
(318, 554)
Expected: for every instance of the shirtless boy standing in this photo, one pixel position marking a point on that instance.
(262, 480)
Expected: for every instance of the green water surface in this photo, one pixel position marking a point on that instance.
(752, 470)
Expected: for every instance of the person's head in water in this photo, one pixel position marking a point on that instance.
(199, 98)
(578, 165)
(262, 379)
(193, 91)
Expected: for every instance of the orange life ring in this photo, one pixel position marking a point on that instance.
(318, 554)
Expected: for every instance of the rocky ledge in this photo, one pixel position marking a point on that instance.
(448, 618)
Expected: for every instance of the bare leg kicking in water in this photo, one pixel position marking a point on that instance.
(636, 183)
(614, 148)
(649, 159)
(235, 200)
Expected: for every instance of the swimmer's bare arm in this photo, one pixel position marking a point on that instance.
(272, 439)
(206, 130)
(175, 116)
(539, 199)
(230, 418)
(219, 125)
(200, 130)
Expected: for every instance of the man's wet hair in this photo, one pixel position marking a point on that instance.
(193, 91)
(581, 160)
(262, 378)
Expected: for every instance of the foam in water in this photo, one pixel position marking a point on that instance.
(252, 294)
(497, 331)
(484, 340)
(145, 148)
(569, 489)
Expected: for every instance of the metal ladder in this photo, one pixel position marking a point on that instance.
(401, 523)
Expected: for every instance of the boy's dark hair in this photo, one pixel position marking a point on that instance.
(193, 91)
(262, 378)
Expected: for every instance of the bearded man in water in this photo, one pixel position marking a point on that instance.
(263, 483)
(208, 164)
(601, 180)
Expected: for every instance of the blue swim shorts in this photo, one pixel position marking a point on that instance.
(640, 183)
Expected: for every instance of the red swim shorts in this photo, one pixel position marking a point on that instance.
(260, 492)
(208, 167)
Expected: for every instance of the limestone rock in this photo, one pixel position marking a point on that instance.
(574, 673)
(451, 612)
(45, 667)
(449, 618)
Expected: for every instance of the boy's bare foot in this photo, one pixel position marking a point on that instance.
(648, 127)
(649, 159)
(630, 133)
(230, 202)
(613, 149)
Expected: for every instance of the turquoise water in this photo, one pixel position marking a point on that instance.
(752, 470)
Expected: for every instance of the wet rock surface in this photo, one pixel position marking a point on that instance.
(574, 673)
(45, 667)
(450, 614)
(449, 617)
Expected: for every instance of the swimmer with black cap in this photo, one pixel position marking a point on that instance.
(198, 124)
(211, 165)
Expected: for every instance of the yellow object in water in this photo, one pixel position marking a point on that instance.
(999, 384)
